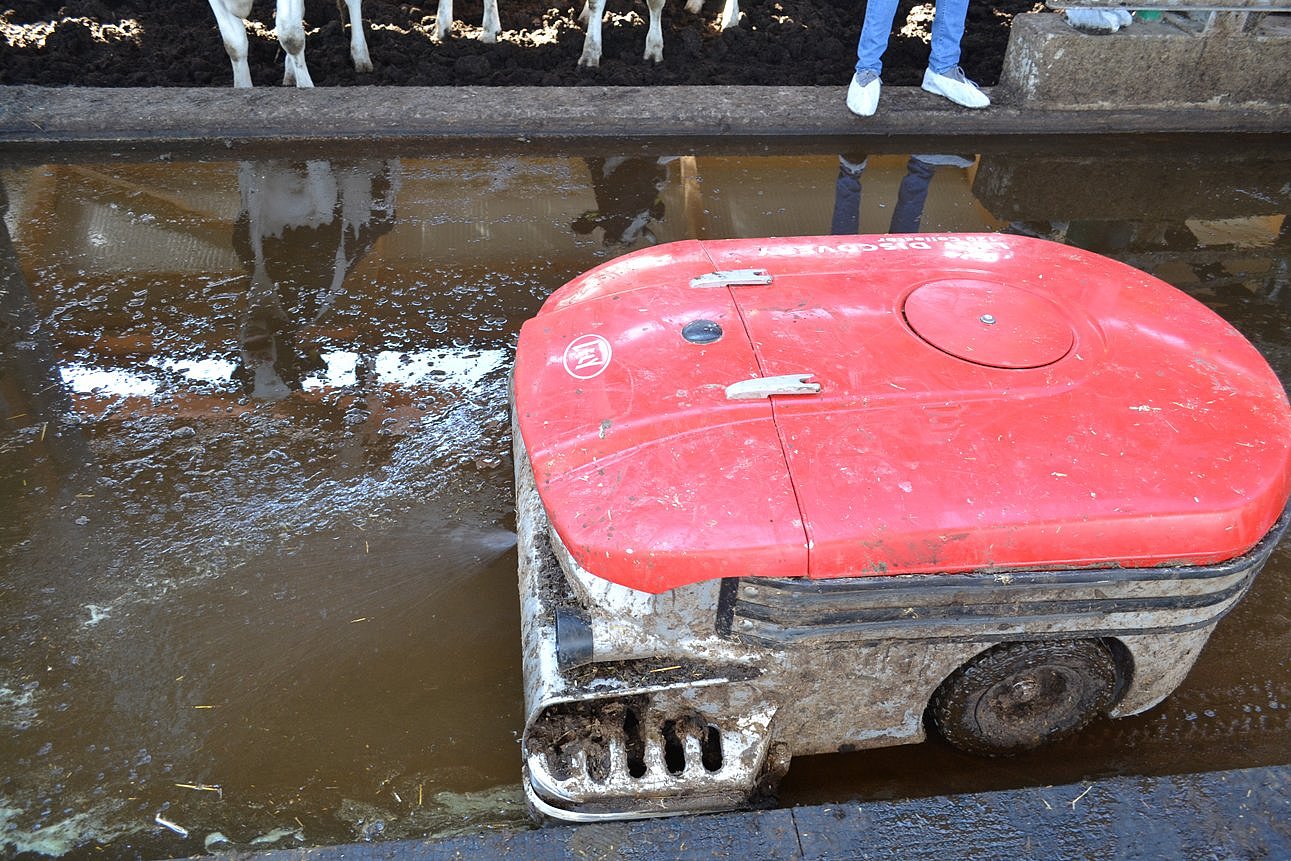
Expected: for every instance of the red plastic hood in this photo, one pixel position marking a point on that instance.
(986, 402)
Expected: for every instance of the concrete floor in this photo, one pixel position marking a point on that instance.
(1242, 814)
(40, 120)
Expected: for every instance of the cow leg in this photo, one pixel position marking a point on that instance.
(694, 7)
(592, 41)
(233, 30)
(358, 41)
(444, 20)
(491, 24)
(290, 24)
(730, 14)
(654, 37)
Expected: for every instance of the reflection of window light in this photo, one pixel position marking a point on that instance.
(1248, 232)
(340, 371)
(84, 379)
(410, 369)
(201, 370)
(394, 368)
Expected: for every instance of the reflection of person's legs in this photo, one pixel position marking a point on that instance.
(947, 33)
(847, 195)
(911, 196)
(875, 32)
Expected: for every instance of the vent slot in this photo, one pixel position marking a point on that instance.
(674, 752)
(634, 744)
(711, 746)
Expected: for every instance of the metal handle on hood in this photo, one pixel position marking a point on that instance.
(765, 387)
(732, 278)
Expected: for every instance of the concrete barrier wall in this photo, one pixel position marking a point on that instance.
(1151, 64)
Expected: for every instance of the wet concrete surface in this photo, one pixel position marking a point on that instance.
(49, 117)
(256, 576)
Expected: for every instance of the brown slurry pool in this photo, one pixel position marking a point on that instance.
(256, 573)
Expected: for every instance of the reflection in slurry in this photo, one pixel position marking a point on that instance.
(255, 566)
(1204, 224)
(268, 622)
(32, 393)
(321, 219)
(627, 199)
(912, 193)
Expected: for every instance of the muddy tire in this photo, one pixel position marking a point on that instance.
(1019, 696)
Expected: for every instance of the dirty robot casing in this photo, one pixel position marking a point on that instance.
(789, 496)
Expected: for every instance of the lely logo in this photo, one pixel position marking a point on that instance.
(587, 356)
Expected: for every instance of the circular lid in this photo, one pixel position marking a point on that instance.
(989, 323)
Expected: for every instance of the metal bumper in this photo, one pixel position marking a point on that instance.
(1000, 606)
(627, 786)
(627, 739)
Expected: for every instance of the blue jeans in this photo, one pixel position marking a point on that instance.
(947, 31)
(907, 213)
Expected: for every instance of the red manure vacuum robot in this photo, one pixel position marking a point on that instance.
(796, 496)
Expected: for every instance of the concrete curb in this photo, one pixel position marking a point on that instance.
(45, 118)
(1226, 814)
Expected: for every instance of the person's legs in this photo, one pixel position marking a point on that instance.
(863, 91)
(943, 75)
(947, 32)
(875, 32)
